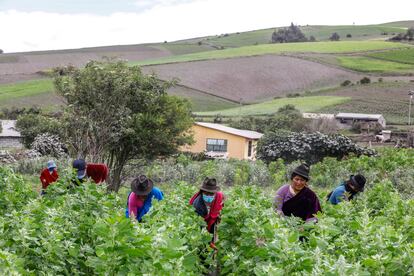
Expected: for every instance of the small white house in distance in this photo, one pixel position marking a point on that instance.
(349, 118)
(9, 136)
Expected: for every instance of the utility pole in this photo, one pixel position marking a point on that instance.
(410, 93)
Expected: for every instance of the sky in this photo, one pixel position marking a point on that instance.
(32, 25)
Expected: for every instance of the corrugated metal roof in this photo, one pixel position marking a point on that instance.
(239, 132)
(358, 116)
(9, 129)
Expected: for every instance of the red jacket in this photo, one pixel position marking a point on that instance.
(46, 178)
(215, 208)
(98, 172)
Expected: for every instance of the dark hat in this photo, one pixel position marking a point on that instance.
(142, 185)
(302, 170)
(210, 185)
(358, 181)
(80, 166)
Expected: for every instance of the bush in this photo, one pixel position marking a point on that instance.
(334, 37)
(32, 125)
(309, 147)
(365, 80)
(348, 35)
(48, 144)
(346, 83)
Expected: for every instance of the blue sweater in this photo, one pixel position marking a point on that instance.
(338, 194)
(155, 193)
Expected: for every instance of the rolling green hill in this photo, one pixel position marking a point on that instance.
(304, 47)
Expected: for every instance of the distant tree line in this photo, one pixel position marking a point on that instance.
(409, 36)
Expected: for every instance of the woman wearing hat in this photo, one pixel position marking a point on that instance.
(296, 199)
(348, 189)
(140, 199)
(48, 175)
(208, 202)
(97, 171)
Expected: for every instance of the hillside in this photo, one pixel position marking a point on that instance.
(213, 78)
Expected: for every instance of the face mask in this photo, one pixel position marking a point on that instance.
(208, 199)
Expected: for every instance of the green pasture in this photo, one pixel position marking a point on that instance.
(321, 33)
(25, 89)
(399, 55)
(304, 104)
(304, 47)
(399, 24)
(366, 64)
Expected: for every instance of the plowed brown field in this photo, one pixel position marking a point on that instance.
(252, 79)
(21, 66)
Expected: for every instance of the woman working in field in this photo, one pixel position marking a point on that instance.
(296, 199)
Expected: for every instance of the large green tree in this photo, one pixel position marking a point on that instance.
(116, 113)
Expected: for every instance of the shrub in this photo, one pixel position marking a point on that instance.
(346, 83)
(334, 37)
(348, 35)
(309, 147)
(48, 144)
(365, 80)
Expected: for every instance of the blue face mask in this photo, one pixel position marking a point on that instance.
(208, 198)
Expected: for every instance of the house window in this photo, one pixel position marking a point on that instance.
(217, 145)
(249, 150)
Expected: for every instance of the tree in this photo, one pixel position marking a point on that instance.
(1, 51)
(290, 34)
(31, 125)
(116, 113)
(334, 37)
(287, 117)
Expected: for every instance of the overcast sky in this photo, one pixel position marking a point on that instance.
(30, 25)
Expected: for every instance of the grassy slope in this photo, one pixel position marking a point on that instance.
(400, 55)
(310, 47)
(24, 89)
(305, 104)
(366, 64)
(321, 33)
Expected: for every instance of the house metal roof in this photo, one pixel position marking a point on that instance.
(359, 116)
(239, 132)
(9, 129)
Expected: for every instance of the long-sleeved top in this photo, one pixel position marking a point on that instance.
(47, 178)
(140, 211)
(211, 214)
(98, 172)
(339, 194)
(304, 204)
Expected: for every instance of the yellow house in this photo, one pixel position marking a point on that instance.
(224, 142)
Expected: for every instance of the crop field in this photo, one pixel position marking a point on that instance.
(201, 101)
(309, 47)
(401, 55)
(366, 64)
(83, 230)
(304, 104)
(388, 98)
(254, 79)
